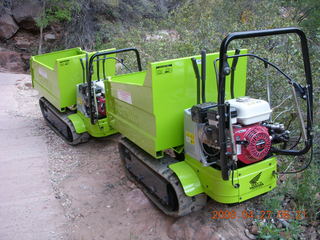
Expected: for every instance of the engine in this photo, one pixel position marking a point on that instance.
(98, 99)
(253, 142)
(250, 134)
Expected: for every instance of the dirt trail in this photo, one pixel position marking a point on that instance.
(51, 190)
(28, 208)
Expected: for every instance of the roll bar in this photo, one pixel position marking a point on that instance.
(224, 70)
(90, 71)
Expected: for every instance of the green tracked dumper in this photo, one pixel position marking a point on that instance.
(60, 78)
(189, 130)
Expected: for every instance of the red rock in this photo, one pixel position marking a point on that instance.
(25, 13)
(12, 61)
(8, 26)
(25, 40)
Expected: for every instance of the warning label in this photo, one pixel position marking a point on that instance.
(164, 69)
(190, 137)
(124, 96)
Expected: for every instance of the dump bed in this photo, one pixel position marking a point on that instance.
(56, 74)
(148, 107)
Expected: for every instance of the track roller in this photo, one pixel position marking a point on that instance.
(61, 124)
(157, 181)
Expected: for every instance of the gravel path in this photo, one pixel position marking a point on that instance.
(50, 190)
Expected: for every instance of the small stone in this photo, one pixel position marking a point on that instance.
(254, 229)
(131, 185)
(249, 235)
(49, 37)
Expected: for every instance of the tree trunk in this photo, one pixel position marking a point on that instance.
(43, 15)
(40, 40)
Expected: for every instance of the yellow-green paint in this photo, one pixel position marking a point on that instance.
(78, 123)
(223, 191)
(82, 124)
(147, 107)
(153, 118)
(188, 178)
(56, 74)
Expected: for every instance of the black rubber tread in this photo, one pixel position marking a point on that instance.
(76, 138)
(186, 204)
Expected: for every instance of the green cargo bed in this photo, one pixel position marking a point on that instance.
(148, 107)
(55, 75)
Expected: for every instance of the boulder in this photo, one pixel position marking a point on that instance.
(8, 27)
(26, 12)
(12, 61)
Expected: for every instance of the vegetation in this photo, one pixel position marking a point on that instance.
(55, 11)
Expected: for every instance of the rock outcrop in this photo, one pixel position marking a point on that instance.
(26, 12)
(8, 26)
(13, 61)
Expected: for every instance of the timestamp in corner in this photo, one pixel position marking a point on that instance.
(262, 214)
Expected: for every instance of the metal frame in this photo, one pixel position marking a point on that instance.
(224, 70)
(89, 71)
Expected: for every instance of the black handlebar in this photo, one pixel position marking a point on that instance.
(89, 71)
(225, 70)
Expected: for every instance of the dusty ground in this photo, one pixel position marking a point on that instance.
(50, 190)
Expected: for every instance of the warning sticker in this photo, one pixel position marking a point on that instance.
(42, 72)
(190, 137)
(164, 69)
(124, 96)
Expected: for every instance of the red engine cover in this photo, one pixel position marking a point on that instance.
(101, 102)
(255, 145)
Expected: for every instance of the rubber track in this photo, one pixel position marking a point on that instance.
(186, 204)
(76, 138)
